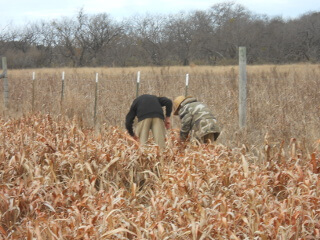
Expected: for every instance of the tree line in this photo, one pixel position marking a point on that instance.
(209, 37)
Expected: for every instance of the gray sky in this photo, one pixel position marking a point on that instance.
(22, 11)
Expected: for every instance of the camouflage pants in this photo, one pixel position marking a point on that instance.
(205, 130)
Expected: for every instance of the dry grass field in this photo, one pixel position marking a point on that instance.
(60, 181)
(63, 178)
(283, 101)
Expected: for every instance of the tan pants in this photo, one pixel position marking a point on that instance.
(156, 125)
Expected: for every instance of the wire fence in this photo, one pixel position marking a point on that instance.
(275, 99)
(95, 97)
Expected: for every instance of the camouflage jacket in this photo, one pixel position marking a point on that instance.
(196, 120)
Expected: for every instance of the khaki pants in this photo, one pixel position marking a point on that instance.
(156, 125)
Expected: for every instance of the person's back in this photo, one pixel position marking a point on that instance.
(148, 106)
(148, 109)
(196, 120)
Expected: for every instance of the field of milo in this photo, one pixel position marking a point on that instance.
(69, 169)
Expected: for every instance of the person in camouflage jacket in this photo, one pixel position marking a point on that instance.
(197, 121)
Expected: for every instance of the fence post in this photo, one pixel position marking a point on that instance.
(138, 83)
(95, 101)
(242, 87)
(33, 86)
(5, 83)
(62, 92)
(187, 84)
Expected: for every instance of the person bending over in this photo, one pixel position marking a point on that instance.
(197, 121)
(148, 109)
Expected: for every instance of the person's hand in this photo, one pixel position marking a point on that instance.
(135, 138)
(167, 122)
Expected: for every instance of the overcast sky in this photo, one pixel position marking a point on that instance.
(19, 12)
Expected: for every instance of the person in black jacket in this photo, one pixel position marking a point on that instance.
(148, 109)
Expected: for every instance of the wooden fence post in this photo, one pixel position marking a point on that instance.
(5, 83)
(138, 84)
(242, 87)
(95, 101)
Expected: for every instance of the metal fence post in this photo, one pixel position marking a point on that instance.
(187, 84)
(242, 87)
(62, 92)
(95, 101)
(138, 84)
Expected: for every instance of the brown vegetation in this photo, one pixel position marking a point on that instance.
(283, 101)
(61, 181)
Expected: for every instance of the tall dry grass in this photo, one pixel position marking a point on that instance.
(61, 181)
(283, 101)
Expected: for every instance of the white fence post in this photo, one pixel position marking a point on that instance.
(187, 84)
(242, 87)
(138, 84)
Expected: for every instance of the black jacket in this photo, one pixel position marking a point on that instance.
(147, 106)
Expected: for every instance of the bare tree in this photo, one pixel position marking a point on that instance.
(181, 33)
(309, 36)
(149, 37)
(24, 37)
(124, 51)
(229, 21)
(72, 40)
(101, 32)
(201, 37)
(4, 39)
(84, 40)
(45, 44)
